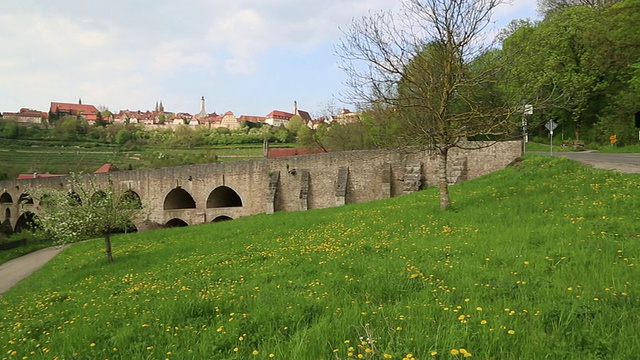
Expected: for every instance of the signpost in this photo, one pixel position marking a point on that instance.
(527, 110)
(551, 125)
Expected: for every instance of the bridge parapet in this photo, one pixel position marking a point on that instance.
(207, 192)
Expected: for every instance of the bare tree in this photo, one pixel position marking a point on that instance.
(424, 66)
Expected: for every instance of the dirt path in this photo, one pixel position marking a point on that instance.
(17, 269)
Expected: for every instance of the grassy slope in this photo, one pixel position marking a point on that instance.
(535, 261)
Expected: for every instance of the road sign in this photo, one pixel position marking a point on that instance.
(551, 125)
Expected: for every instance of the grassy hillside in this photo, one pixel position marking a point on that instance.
(536, 261)
(62, 160)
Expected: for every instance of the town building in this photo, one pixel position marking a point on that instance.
(28, 116)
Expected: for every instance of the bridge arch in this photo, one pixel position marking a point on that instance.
(5, 198)
(179, 198)
(133, 197)
(176, 222)
(222, 218)
(26, 221)
(223, 196)
(25, 198)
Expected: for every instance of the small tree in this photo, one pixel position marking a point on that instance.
(86, 209)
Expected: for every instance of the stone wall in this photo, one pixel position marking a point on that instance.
(283, 184)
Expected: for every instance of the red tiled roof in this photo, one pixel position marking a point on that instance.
(277, 114)
(89, 112)
(105, 169)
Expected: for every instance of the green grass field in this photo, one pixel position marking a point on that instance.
(62, 160)
(536, 261)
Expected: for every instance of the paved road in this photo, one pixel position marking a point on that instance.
(17, 269)
(626, 163)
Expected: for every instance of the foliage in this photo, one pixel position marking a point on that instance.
(539, 260)
(422, 68)
(86, 208)
(581, 58)
(295, 124)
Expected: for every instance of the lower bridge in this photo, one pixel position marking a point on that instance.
(197, 194)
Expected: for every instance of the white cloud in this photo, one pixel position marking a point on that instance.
(128, 54)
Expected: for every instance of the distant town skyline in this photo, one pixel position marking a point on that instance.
(249, 57)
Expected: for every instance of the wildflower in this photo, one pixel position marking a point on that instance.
(483, 322)
(255, 352)
(511, 332)
(434, 353)
(92, 344)
(455, 352)
(387, 356)
(272, 355)
(479, 308)
(465, 353)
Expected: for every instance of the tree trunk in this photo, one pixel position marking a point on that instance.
(443, 183)
(107, 243)
(577, 129)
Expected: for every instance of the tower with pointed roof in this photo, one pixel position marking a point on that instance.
(203, 113)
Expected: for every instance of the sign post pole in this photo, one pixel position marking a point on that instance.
(551, 125)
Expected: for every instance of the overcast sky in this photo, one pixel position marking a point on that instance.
(247, 56)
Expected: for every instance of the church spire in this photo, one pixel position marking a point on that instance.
(203, 113)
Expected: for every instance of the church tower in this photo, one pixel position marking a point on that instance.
(203, 113)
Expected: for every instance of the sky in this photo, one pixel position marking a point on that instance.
(245, 56)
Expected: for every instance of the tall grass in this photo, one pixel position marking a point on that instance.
(536, 261)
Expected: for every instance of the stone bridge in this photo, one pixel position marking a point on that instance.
(197, 194)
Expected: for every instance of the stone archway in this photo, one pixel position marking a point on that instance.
(133, 197)
(25, 199)
(26, 221)
(7, 214)
(223, 196)
(176, 222)
(5, 198)
(222, 218)
(179, 198)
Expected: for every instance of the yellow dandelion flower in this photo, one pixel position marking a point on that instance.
(92, 344)
(255, 352)
(479, 308)
(511, 332)
(434, 353)
(387, 356)
(483, 322)
(454, 352)
(272, 355)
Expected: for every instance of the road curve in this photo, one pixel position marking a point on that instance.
(622, 162)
